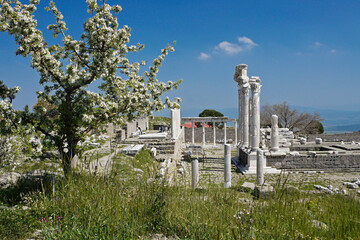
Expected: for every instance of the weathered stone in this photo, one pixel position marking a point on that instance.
(323, 189)
(9, 178)
(138, 170)
(25, 208)
(274, 133)
(195, 173)
(318, 224)
(255, 113)
(260, 168)
(227, 166)
(302, 140)
(351, 185)
(153, 152)
(264, 191)
(247, 186)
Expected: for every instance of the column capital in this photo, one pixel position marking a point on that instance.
(240, 75)
(255, 87)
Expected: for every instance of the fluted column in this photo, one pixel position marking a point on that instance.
(242, 79)
(245, 115)
(224, 132)
(274, 133)
(236, 132)
(192, 133)
(214, 132)
(255, 116)
(203, 133)
(240, 130)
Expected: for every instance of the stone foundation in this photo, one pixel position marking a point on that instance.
(330, 162)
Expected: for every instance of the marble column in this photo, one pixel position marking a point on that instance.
(224, 132)
(255, 116)
(250, 119)
(195, 173)
(240, 130)
(242, 79)
(192, 133)
(245, 115)
(274, 133)
(203, 133)
(227, 165)
(260, 168)
(214, 132)
(236, 132)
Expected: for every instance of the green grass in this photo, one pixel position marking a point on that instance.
(126, 205)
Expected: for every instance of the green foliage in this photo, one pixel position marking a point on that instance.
(134, 206)
(67, 110)
(211, 113)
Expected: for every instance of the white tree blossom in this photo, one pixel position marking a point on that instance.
(70, 66)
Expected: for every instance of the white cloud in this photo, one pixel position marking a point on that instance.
(229, 48)
(247, 42)
(318, 44)
(333, 51)
(204, 56)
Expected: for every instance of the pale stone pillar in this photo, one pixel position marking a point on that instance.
(176, 119)
(245, 115)
(227, 165)
(195, 173)
(255, 120)
(260, 168)
(214, 132)
(192, 133)
(235, 132)
(173, 123)
(242, 79)
(240, 130)
(250, 119)
(203, 133)
(224, 132)
(274, 133)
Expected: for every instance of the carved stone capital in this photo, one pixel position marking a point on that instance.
(255, 87)
(240, 75)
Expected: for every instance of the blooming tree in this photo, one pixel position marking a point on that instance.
(70, 66)
(8, 122)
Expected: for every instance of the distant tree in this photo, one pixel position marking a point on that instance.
(314, 127)
(68, 66)
(211, 113)
(291, 118)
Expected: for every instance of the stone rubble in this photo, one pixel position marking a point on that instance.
(351, 185)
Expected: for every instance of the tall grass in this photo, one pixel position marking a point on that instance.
(130, 206)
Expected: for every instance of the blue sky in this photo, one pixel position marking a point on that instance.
(305, 52)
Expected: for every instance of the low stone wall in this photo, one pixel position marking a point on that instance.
(325, 162)
(346, 137)
(209, 135)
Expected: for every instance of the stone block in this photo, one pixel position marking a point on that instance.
(264, 191)
(351, 185)
(247, 187)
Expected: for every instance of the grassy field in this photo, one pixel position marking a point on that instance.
(133, 205)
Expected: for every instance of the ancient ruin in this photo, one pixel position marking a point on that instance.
(279, 147)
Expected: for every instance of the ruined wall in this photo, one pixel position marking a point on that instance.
(230, 134)
(326, 162)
